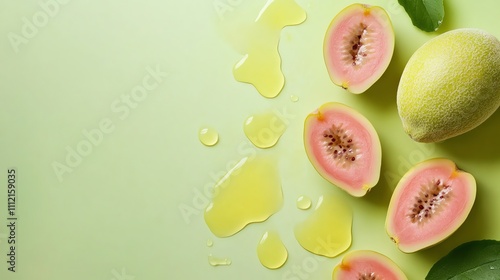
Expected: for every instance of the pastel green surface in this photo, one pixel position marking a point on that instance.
(148, 74)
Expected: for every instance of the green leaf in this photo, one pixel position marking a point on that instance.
(472, 260)
(425, 14)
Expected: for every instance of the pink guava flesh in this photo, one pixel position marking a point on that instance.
(358, 46)
(430, 202)
(361, 170)
(365, 264)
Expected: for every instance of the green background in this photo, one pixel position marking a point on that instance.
(116, 214)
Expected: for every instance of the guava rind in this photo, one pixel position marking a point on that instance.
(365, 174)
(450, 85)
(362, 262)
(358, 79)
(411, 237)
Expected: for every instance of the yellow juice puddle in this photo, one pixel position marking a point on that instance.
(264, 130)
(215, 261)
(327, 231)
(261, 64)
(294, 98)
(210, 243)
(208, 136)
(271, 251)
(303, 202)
(250, 192)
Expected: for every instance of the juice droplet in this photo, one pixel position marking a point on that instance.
(327, 231)
(294, 98)
(208, 136)
(261, 64)
(271, 251)
(250, 192)
(214, 261)
(210, 243)
(264, 130)
(303, 202)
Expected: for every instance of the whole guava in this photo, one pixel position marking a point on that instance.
(450, 85)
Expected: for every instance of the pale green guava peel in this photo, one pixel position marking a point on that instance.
(450, 85)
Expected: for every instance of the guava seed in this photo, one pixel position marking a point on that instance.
(358, 48)
(368, 276)
(339, 144)
(424, 207)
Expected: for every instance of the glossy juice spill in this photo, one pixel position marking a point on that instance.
(294, 98)
(271, 251)
(327, 231)
(264, 130)
(261, 63)
(303, 202)
(210, 243)
(250, 192)
(215, 261)
(208, 136)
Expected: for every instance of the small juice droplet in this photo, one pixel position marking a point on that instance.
(271, 251)
(264, 130)
(261, 64)
(250, 192)
(303, 202)
(208, 136)
(210, 243)
(327, 231)
(214, 261)
(294, 98)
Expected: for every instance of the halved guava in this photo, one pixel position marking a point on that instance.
(430, 202)
(366, 264)
(343, 147)
(358, 46)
